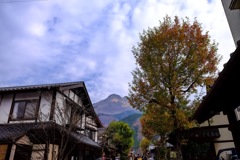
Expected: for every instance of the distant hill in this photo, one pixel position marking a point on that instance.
(126, 114)
(117, 108)
(134, 123)
(114, 107)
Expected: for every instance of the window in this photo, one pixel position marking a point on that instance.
(90, 134)
(23, 152)
(237, 112)
(25, 109)
(235, 4)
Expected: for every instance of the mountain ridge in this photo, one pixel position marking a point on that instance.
(117, 108)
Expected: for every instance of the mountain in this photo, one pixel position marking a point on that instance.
(113, 108)
(117, 108)
(113, 104)
(134, 123)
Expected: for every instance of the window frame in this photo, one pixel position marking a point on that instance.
(27, 101)
(74, 110)
(90, 133)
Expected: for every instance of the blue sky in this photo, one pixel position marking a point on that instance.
(52, 41)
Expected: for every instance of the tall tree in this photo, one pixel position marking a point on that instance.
(173, 60)
(120, 136)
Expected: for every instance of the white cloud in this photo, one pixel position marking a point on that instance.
(90, 40)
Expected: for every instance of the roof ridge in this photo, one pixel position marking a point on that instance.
(39, 85)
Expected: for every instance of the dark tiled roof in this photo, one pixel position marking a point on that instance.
(79, 90)
(84, 139)
(39, 86)
(12, 132)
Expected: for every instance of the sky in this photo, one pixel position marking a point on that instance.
(55, 41)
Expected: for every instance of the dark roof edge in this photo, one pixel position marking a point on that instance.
(216, 85)
(38, 86)
(52, 85)
(95, 115)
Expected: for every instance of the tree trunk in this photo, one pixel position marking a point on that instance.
(179, 149)
(178, 139)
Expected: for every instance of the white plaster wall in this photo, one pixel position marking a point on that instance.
(44, 110)
(71, 95)
(38, 152)
(59, 111)
(80, 102)
(83, 121)
(225, 134)
(219, 146)
(45, 106)
(12, 152)
(96, 137)
(24, 140)
(91, 121)
(66, 92)
(76, 99)
(233, 17)
(53, 152)
(5, 107)
(220, 119)
(204, 124)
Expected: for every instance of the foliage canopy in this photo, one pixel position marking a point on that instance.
(120, 136)
(144, 144)
(173, 61)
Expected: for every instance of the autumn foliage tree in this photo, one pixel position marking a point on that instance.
(173, 61)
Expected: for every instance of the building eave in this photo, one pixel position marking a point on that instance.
(78, 87)
(223, 94)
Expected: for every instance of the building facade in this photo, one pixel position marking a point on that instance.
(232, 11)
(50, 121)
(223, 95)
(224, 140)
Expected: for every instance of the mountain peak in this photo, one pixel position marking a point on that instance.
(114, 96)
(117, 108)
(113, 104)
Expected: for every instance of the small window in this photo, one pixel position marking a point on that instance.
(90, 133)
(25, 109)
(237, 112)
(235, 4)
(238, 108)
(23, 152)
